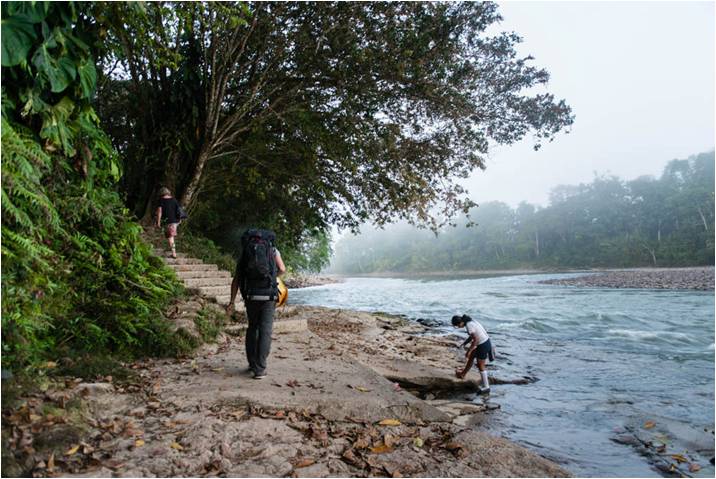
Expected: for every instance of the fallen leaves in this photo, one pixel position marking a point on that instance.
(390, 440)
(389, 422)
(351, 458)
(693, 467)
(176, 446)
(72, 450)
(362, 389)
(381, 449)
(305, 462)
(649, 425)
(361, 443)
(418, 442)
(139, 443)
(679, 458)
(292, 383)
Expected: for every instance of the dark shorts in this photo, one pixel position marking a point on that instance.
(484, 350)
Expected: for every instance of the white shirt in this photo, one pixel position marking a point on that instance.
(475, 328)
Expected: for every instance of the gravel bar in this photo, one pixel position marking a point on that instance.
(700, 278)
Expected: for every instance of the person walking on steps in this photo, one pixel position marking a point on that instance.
(257, 270)
(480, 349)
(172, 214)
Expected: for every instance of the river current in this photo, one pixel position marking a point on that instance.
(604, 358)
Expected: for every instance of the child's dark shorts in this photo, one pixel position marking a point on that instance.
(484, 350)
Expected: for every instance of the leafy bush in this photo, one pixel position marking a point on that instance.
(203, 248)
(76, 275)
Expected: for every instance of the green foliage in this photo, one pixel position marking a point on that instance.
(75, 272)
(607, 223)
(305, 114)
(200, 247)
(209, 322)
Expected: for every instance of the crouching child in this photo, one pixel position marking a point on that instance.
(480, 349)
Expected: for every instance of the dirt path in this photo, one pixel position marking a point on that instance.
(318, 413)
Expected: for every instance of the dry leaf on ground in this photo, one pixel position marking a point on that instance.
(649, 424)
(679, 458)
(138, 443)
(361, 443)
(381, 449)
(177, 446)
(693, 467)
(304, 462)
(72, 450)
(389, 422)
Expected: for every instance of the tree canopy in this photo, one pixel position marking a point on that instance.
(305, 114)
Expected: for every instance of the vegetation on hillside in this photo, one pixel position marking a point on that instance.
(75, 274)
(667, 221)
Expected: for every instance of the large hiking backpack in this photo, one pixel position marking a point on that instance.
(258, 266)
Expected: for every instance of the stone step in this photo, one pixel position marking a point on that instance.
(224, 300)
(167, 254)
(193, 267)
(195, 274)
(204, 282)
(220, 291)
(172, 261)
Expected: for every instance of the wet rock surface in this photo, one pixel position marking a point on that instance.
(674, 448)
(325, 409)
(672, 278)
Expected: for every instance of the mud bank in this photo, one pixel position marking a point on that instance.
(332, 405)
(663, 278)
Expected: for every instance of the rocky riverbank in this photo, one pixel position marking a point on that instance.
(355, 395)
(701, 278)
(298, 280)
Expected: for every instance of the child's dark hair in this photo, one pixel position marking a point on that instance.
(460, 319)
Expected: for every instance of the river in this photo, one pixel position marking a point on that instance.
(604, 358)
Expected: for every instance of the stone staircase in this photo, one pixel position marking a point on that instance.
(206, 280)
(214, 285)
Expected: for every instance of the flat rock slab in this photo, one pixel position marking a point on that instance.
(301, 375)
(279, 327)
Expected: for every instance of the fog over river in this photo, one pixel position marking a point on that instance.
(607, 361)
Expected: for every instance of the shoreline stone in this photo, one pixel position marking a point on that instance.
(700, 279)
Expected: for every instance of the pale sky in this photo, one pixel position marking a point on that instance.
(639, 77)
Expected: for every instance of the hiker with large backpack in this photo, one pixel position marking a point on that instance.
(257, 270)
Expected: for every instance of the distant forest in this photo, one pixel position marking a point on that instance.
(609, 222)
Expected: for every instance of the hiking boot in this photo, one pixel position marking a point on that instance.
(259, 375)
(481, 390)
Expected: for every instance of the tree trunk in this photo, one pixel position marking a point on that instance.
(537, 243)
(703, 218)
(658, 233)
(148, 215)
(652, 252)
(189, 194)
